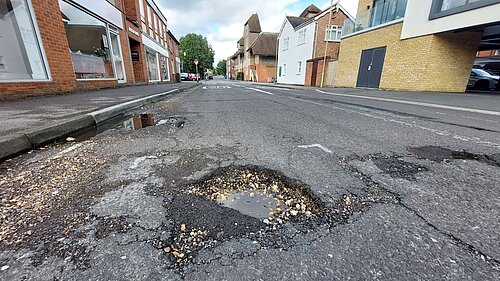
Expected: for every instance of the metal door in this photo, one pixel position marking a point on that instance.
(370, 68)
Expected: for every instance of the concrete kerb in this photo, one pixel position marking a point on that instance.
(31, 139)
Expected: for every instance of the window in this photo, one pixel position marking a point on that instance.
(284, 69)
(150, 17)
(286, 42)
(497, 53)
(441, 8)
(94, 54)
(21, 56)
(152, 65)
(302, 37)
(333, 33)
(299, 67)
(384, 11)
(141, 9)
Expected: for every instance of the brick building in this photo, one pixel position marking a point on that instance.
(58, 46)
(175, 61)
(149, 41)
(417, 45)
(255, 59)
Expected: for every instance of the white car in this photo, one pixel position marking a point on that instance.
(482, 80)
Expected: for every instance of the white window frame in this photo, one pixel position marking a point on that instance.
(42, 51)
(302, 37)
(299, 68)
(150, 17)
(336, 30)
(142, 11)
(283, 72)
(286, 43)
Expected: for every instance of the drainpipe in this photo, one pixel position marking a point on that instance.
(326, 44)
(276, 59)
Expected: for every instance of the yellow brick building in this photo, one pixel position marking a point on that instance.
(438, 61)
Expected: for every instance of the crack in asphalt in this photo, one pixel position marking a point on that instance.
(370, 183)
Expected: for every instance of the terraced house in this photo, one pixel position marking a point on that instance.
(417, 45)
(309, 43)
(54, 46)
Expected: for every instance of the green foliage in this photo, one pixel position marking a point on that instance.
(196, 47)
(221, 67)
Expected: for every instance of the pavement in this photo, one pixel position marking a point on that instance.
(401, 191)
(40, 120)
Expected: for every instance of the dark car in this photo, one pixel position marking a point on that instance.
(481, 79)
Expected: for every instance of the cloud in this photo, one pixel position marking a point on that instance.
(222, 21)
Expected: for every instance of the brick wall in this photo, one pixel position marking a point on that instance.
(429, 63)
(55, 43)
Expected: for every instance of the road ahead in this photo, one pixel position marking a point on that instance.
(380, 191)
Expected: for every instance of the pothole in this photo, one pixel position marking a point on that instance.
(259, 193)
(440, 154)
(235, 202)
(398, 168)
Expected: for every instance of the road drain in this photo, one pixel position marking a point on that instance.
(235, 202)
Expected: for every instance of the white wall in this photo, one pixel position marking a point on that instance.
(417, 23)
(295, 53)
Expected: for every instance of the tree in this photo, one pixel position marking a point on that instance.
(221, 67)
(196, 47)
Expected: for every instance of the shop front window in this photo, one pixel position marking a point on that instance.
(152, 64)
(117, 55)
(88, 44)
(20, 53)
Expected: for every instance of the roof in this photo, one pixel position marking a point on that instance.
(241, 41)
(254, 24)
(264, 44)
(173, 37)
(296, 21)
(312, 9)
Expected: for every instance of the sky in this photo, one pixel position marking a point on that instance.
(221, 21)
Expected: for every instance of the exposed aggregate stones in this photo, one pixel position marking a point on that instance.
(32, 193)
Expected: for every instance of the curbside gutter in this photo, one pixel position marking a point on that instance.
(31, 139)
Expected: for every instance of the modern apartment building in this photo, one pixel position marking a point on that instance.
(417, 45)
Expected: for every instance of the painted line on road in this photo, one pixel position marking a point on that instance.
(259, 90)
(317, 145)
(473, 110)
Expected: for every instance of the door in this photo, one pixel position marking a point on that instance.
(314, 73)
(370, 67)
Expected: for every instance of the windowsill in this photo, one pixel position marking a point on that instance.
(334, 41)
(26, 81)
(97, 79)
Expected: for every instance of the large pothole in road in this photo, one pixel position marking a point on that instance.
(235, 202)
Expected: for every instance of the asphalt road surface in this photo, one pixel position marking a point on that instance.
(384, 191)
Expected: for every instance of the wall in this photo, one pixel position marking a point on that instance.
(295, 53)
(417, 21)
(428, 63)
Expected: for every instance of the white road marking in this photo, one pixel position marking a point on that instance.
(274, 88)
(488, 112)
(317, 145)
(258, 90)
(216, 87)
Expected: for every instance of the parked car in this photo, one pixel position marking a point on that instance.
(184, 77)
(210, 77)
(481, 79)
(192, 77)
